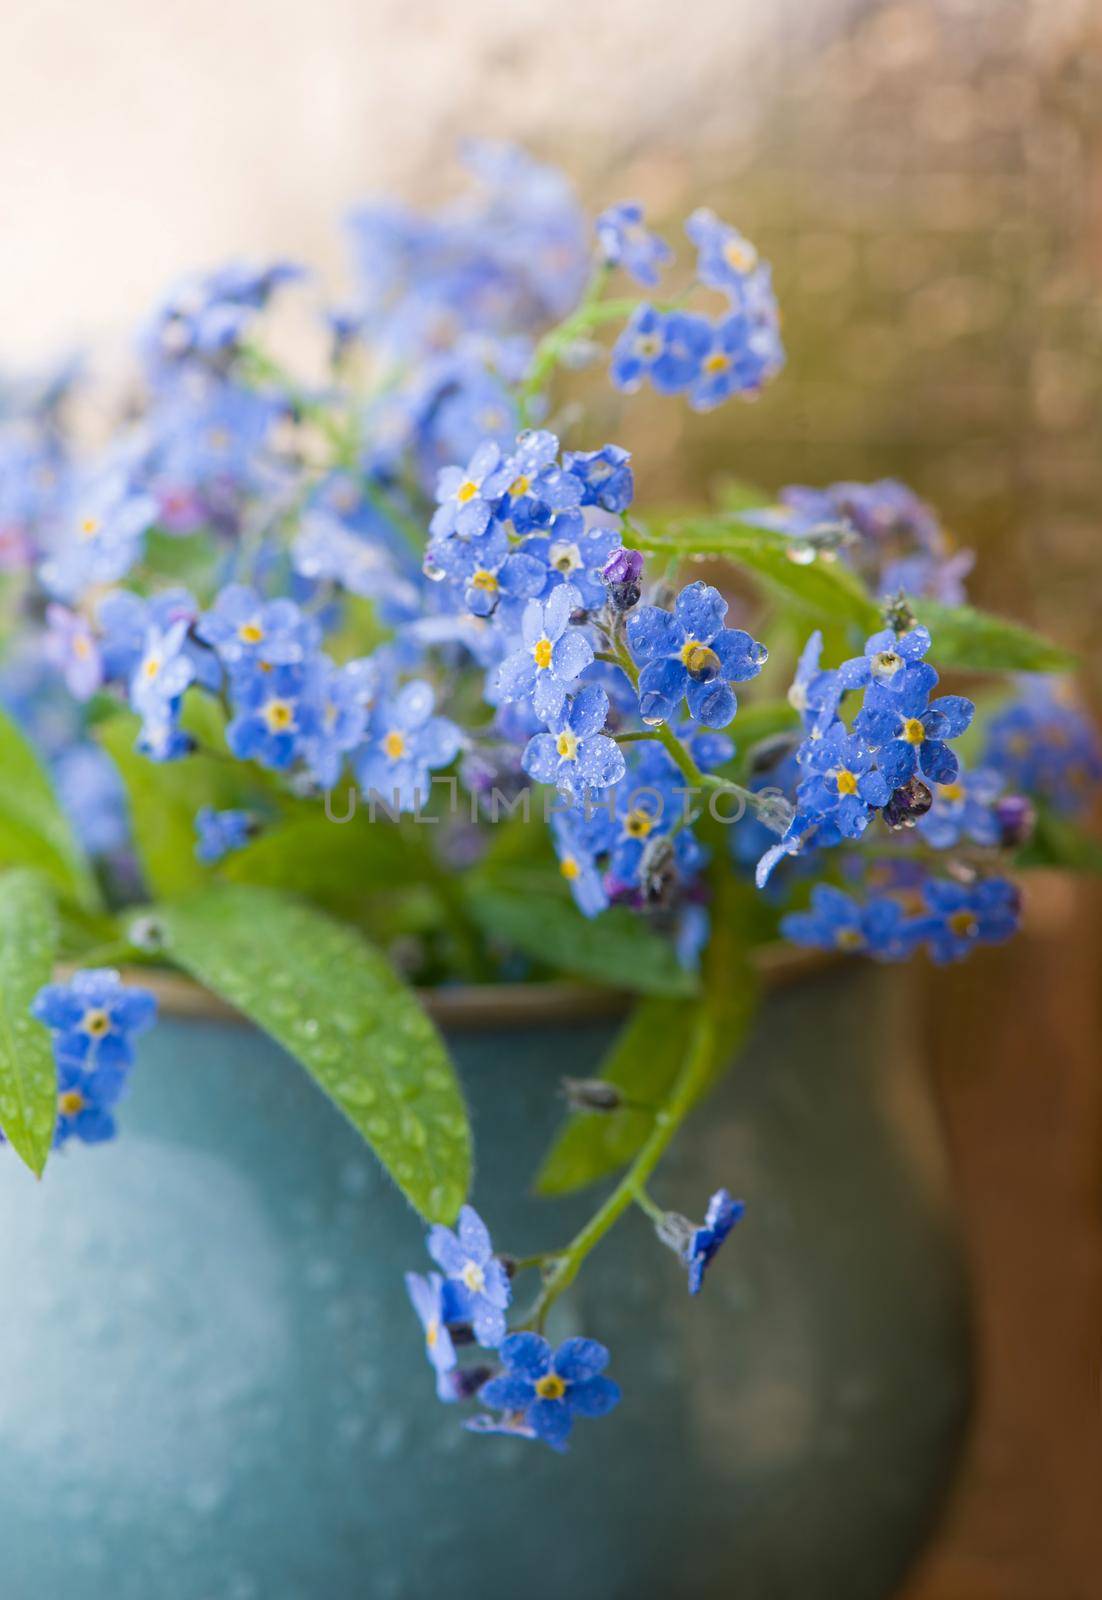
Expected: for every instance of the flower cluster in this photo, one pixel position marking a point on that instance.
(412, 573)
(93, 1019)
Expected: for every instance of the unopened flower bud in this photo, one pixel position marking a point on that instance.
(906, 805)
(658, 875)
(897, 614)
(622, 573)
(590, 1094)
(1016, 820)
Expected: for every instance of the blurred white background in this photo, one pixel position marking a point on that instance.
(139, 138)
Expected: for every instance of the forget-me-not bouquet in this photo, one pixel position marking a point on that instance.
(335, 673)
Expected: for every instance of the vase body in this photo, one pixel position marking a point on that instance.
(212, 1386)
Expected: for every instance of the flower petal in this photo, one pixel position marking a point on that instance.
(577, 1359)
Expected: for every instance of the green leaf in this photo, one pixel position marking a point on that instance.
(34, 831)
(978, 642)
(338, 1007)
(337, 865)
(28, 1077)
(1056, 842)
(822, 586)
(643, 1062)
(646, 1058)
(618, 947)
(164, 796)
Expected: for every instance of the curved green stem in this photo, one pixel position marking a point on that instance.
(631, 1190)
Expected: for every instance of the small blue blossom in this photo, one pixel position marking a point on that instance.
(963, 809)
(908, 732)
(666, 347)
(546, 1389)
(477, 1282)
(539, 486)
(436, 1304)
(406, 744)
(341, 698)
(690, 655)
(551, 657)
(163, 673)
(1043, 744)
(570, 552)
(85, 1102)
(206, 315)
(273, 714)
(725, 257)
(94, 1018)
(605, 476)
(242, 627)
(885, 660)
(719, 1219)
(844, 782)
(71, 646)
(730, 363)
(220, 832)
(467, 500)
(101, 536)
(488, 570)
(965, 915)
(577, 848)
(879, 927)
(815, 691)
(575, 755)
(625, 241)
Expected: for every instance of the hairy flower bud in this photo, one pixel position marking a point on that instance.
(590, 1094)
(907, 804)
(1016, 819)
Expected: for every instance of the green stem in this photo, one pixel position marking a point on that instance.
(631, 1188)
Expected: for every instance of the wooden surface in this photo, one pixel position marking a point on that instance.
(1016, 1041)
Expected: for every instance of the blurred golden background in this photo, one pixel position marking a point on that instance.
(926, 177)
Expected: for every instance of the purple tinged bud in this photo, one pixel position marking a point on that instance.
(906, 805)
(1016, 819)
(623, 566)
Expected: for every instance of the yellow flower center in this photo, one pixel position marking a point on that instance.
(647, 346)
(473, 1277)
(569, 868)
(550, 1387)
(718, 361)
(394, 746)
(700, 661)
(96, 1022)
(848, 939)
(886, 663)
(218, 439)
(484, 580)
(89, 527)
(466, 491)
(565, 557)
(70, 1102)
(964, 924)
(846, 781)
(520, 486)
(567, 745)
(151, 666)
(951, 791)
(638, 824)
(279, 715)
(913, 731)
(250, 633)
(541, 653)
(738, 255)
(432, 1333)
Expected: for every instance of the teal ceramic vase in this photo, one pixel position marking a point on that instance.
(212, 1386)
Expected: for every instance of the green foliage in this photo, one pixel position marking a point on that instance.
(1056, 842)
(28, 1077)
(34, 831)
(646, 1059)
(975, 641)
(820, 586)
(643, 1063)
(163, 797)
(616, 948)
(335, 1003)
